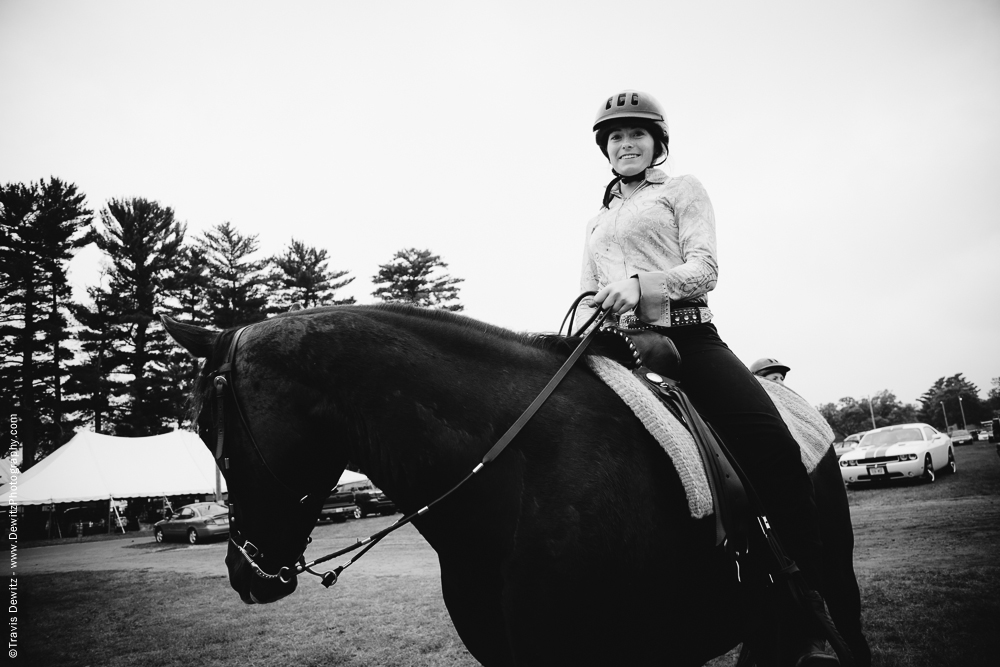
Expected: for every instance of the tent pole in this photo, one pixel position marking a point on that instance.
(218, 484)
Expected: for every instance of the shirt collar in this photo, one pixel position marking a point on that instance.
(653, 176)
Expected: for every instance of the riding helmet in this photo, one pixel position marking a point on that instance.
(764, 366)
(630, 104)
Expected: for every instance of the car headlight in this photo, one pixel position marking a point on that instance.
(907, 457)
(848, 463)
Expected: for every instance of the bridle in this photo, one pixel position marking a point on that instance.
(223, 377)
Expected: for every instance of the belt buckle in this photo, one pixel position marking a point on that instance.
(630, 322)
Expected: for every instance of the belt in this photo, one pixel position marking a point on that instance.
(679, 317)
(695, 315)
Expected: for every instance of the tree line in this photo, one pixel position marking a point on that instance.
(106, 362)
(951, 402)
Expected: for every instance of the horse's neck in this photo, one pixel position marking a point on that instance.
(423, 439)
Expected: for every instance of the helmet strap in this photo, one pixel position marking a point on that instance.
(634, 178)
(623, 179)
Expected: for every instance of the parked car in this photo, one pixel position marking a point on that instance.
(373, 501)
(903, 451)
(961, 437)
(340, 506)
(195, 523)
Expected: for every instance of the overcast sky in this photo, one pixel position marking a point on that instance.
(851, 150)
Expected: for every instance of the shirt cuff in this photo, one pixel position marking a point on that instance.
(654, 304)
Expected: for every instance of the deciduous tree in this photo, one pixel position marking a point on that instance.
(947, 391)
(993, 398)
(852, 415)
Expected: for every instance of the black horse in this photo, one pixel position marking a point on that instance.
(574, 547)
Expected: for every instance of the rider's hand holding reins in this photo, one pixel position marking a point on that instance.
(619, 296)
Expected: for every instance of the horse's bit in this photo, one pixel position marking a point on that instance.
(222, 377)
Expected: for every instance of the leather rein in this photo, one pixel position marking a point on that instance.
(223, 378)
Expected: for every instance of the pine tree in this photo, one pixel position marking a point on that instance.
(414, 276)
(301, 276)
(237, 292)
(91, 385)
(143, 240)
(43, 224)
(188, 286)
(187, 301)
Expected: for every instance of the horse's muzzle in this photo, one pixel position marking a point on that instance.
(252, 588)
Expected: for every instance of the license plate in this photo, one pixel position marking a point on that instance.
(876, 470)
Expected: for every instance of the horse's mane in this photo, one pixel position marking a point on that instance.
(543, 341)
(446, 321)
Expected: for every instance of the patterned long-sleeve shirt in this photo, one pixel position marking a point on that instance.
(664, 234)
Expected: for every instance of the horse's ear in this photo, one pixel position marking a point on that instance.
(196, 340)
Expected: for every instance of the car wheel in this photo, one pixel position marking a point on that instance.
(193, 536)
(952, 468)
(928, 469)
(357, 513)
(158, 535)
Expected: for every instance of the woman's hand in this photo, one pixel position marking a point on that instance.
(619, 296)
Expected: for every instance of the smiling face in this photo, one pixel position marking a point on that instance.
(631, 150)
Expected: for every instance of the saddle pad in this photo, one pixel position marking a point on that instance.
(805, 423)
(662, 425)
(809, 428)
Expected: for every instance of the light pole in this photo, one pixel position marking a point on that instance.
(871, 411)
(962, 410)
(945, 416)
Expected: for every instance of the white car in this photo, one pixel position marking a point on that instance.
(904, 451)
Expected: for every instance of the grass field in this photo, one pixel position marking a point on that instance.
(927, 556)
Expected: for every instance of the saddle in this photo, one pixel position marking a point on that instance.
(739, 515)
(654, 359)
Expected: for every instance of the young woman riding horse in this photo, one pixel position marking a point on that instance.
(650, 254)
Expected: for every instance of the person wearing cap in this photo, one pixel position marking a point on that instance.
(650, 255)
(771, 369)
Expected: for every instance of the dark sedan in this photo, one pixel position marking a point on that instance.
(194, 523)
(373, 501)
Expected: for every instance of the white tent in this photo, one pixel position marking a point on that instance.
(93, 466)
(349, 476)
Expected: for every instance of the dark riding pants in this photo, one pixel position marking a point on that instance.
(731, 399)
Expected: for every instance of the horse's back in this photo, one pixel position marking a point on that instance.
(604, 547)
